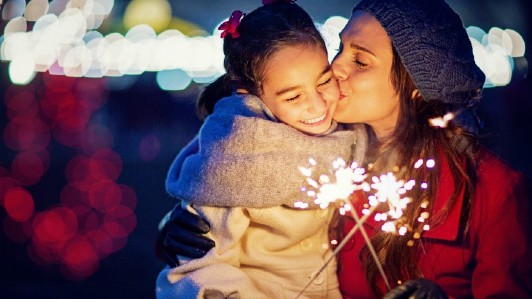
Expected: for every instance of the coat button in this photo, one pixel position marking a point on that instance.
(319, 279)
(306, 245)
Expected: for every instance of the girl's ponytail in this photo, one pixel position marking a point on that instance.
(212, 93)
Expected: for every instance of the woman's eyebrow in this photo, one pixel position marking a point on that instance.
(352, 45)
(361, 48)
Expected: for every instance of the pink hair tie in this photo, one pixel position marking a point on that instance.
(266, 2)
(229, 26)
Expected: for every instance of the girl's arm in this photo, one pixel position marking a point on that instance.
(218, 271)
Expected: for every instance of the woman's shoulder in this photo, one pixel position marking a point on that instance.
(496, 177)
(491, 166)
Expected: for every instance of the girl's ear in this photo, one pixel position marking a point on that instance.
(242, 91)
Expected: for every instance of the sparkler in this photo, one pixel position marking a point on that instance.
(350, 178)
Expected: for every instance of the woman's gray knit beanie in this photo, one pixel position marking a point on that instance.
(433, 45)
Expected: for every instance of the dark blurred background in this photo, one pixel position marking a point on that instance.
(84, 154)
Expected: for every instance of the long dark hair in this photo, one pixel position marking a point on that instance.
(413, 139)
(262, 32)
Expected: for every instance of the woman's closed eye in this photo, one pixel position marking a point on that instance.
(360, 62)
(328, 81)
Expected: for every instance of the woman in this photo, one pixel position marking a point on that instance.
(400, 64)
(479, 244)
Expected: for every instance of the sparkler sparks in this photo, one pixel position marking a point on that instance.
(441, 121)
(389, 192)
(347, 179)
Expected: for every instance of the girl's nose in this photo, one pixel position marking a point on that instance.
(316, 104)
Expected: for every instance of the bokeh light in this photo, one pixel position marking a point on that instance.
(173, 80)
(19, 204)
(155, 13)
(494, 53)
(94, 213)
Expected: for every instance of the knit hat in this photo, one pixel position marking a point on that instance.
(433, 45)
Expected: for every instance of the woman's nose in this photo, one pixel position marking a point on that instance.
(339, 69)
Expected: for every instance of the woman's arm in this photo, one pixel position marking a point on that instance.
(504, 247)
(182, 233)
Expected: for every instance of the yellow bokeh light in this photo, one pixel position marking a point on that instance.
(154, 13)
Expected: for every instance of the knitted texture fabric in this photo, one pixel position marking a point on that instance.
(433, 45)
(244, 157)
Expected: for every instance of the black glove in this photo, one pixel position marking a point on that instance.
(182, 234)
(417, 289)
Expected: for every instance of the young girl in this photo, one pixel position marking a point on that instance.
(241, 172)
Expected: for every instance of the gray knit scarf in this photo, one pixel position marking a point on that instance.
(244, 157)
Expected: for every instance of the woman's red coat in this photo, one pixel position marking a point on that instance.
(495, 262)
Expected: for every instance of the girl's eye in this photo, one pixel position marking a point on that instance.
(293, 99)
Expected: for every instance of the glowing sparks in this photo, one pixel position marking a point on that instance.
(442, 121)
(386, 201)
(301, 205)
(430, 163)
(418, 163)
(345, 180)
(388, 194)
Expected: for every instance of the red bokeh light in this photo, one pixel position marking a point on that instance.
(54, 227)
(95, 214)
(105, 195)
(19, 204)
(27, 134)
(27, 168)
(95, 138)
(102, 241)
(111, 162)
(80, 258)
(22, 103)
(58, 84)
(6, 183)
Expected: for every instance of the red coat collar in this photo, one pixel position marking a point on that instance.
(449, 229)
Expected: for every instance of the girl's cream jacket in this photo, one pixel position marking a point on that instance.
(242, 175)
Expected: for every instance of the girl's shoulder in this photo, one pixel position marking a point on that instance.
(243, 104)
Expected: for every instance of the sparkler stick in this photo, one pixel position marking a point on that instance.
(350, 179)
(359, 222)
(370, 246)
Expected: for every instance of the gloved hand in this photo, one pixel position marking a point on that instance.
(182, 234)
(417, 289)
